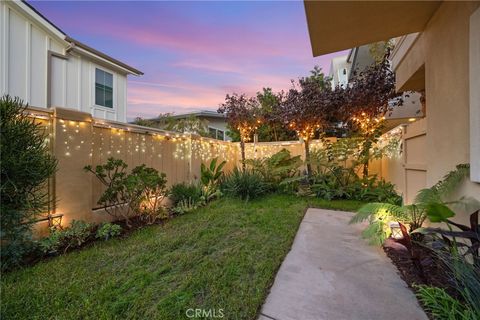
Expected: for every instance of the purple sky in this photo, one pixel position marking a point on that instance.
(193, 53)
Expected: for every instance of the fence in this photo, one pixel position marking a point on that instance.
(76, 139)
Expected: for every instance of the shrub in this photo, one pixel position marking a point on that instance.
(140, 192)
(335, 167)
(26, 165)
(211, 175)
(276, 170)
(210, 179)
(442, 306)
(184, 191)
(149, 188)
(108, 230)
(77, 234)
(72, 237)
(428, 203)
(373, 190)
(53, 243)
(116, 200)
(245, 184)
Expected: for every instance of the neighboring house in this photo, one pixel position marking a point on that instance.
(358, 59)
(216, 122)
(437, 51)
(340, 71)
(46, 68)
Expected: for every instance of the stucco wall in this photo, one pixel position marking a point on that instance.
(78, 140)
(447, 91)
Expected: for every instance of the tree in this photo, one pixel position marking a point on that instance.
(243, 114)
(167, 121)
(307, 109)
(272, 129)
(26, 165)
(365, 102)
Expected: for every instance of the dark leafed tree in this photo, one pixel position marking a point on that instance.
(366, 101)
(243, 114)
(308, 108)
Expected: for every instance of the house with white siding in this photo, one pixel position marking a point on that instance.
(46, 68)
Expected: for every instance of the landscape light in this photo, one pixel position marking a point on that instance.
(396, 230)
(55, 220)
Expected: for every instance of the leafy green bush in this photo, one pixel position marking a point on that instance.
(140, 192)
(210, 179)
(149, 188)
(62, 240)
(245, 184)
(184, 191)
(108, 230)
(442, 306)
(26, 165)
(211, 175)
(428, 203)
(335, 167)
(343, 183)
(276, 170)
(380, 215)
(53, 243)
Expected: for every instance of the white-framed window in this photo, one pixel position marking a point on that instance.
(103, 88)
(216, 133)
(342, 77)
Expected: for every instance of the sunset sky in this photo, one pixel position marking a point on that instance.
(193, 53)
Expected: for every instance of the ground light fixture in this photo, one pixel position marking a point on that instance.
(396, 230)
(55, 220)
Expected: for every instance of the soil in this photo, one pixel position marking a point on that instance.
(419, 266)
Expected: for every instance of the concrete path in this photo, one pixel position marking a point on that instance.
(331, 273)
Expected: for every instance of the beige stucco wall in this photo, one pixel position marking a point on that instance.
(441, 53)
(447, 91)
(78, 140)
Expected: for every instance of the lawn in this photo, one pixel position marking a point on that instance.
(223, 256)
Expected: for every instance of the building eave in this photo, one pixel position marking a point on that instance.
(102, 56)
(340, 25)
(58, 33)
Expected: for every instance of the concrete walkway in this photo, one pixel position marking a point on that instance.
(331, 273)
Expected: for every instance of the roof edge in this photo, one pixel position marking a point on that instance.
(103, 55)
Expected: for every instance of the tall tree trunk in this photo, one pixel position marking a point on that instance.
(242, 149)
(366, 156)
(365, 170)
(307, 157)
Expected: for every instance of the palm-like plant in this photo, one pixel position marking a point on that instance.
(211, 175)
(428, 203)
(210, 178)
(277, 169)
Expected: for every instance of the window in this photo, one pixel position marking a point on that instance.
(216, 134)
(212, 132)
(342, 77)
(220, 135)
(103, 88)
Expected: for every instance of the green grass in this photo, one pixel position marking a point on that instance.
(223, 256)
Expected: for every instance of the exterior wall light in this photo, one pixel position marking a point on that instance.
(396, 230)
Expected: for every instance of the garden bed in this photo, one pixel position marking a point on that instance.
(222, 256)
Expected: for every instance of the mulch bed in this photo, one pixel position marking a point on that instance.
(419, 266)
